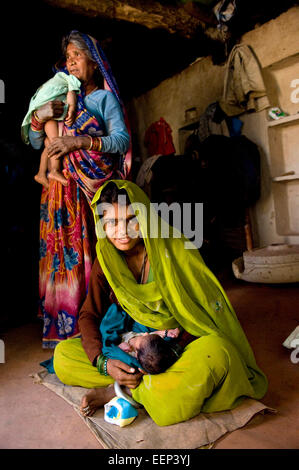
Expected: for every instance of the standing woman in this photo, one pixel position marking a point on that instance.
(94, 149)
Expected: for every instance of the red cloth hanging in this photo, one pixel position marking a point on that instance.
(158, 139)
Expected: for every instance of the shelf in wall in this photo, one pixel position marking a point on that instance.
(190, 125)
(283, 140)
(285, 178)
(283, 120)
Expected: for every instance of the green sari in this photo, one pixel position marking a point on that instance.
(216, 371)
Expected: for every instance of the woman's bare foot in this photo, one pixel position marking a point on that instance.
(42, 179)
(57, 176)
(96, 398)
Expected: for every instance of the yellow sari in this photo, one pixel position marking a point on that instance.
(216, 371)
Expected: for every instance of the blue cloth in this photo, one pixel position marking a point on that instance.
(48, 364)
(104, 106)
(234, 125)
(114, 323)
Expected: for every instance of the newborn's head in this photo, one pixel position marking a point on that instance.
(154, 353)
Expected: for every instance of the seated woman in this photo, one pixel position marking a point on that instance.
(161, 285)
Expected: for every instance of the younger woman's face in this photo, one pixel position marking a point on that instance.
(121, 226)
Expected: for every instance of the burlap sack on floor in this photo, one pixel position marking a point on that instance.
(202, 431)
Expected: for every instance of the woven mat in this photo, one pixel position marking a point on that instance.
(199, 432)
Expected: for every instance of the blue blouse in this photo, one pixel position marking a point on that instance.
(104, 106)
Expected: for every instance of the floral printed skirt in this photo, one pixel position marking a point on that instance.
(67, 243)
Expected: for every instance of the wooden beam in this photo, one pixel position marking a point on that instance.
(150, 14)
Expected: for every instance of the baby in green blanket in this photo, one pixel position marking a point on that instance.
(61, 87)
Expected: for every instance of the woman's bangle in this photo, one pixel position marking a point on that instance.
(37, 118)
(102, 365)
(105, 366)
(36, 124)
(91, 143)
(95, 144)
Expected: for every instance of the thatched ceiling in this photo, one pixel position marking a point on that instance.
(145, 41)
(183, 17)
(151, 14)
(148, 41)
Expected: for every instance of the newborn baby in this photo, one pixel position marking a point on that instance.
(151, 350)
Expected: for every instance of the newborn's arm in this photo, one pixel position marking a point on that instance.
(173, 333)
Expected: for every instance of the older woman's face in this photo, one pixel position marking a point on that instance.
(79, 64)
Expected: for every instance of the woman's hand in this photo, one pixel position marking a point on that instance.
(60, 146)
(123, 374)
(50, 110)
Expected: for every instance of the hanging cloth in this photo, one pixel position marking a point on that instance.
(158, 139)
(244, 88)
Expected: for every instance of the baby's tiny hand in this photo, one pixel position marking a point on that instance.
(125, 347)
(173, 333)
